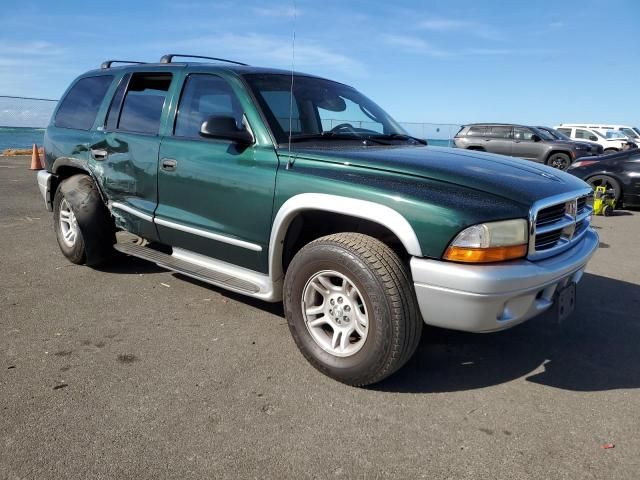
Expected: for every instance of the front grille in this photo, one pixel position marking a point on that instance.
(558, 225)
(550, 214)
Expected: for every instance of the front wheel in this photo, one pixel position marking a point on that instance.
(351, 308)
(561, 161)
(608, 183)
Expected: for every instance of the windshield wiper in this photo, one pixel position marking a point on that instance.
(336, 136)
(399, 136)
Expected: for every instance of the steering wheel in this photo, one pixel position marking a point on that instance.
(343, 127)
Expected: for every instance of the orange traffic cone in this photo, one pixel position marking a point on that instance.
(35, 159)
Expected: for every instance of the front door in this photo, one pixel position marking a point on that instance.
(215, 197)
(524, 146)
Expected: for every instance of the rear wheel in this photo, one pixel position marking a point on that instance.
(608, 182)
(351, 308)
(83, 226)
(561, 161)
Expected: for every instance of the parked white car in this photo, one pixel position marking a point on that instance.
(610, 130)
(610, 145)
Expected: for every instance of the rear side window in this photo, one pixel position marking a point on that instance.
(478, 131)
(79, 108)
(566, 131)
(204, 96)
(116, 102)
(143, 102)
(501, 132)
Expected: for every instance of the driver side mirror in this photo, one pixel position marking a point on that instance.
(535, 138)
(225, 128)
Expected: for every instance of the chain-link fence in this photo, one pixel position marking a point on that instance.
(22, 120)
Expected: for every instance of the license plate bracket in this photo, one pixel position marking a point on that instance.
(566, 301)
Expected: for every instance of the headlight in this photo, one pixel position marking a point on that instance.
(490, 242)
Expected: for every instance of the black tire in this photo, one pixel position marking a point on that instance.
(561, 161)
(606, 181)
(95, 234)
(607, 211)
(384, 284)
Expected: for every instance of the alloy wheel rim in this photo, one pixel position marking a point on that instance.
(68, 224)
(334, 313)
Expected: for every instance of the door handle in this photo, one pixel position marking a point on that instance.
(169, 164)
(99, 154)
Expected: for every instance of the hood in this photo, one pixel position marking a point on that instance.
(521, 181)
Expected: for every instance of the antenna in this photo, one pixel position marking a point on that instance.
(293, 63)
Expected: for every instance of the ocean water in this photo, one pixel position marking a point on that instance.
(20, 137)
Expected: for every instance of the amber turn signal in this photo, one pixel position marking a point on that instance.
(485, 255)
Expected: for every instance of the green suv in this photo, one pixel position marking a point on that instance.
(289, 187)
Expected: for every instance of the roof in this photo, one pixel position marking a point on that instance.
(207, 66)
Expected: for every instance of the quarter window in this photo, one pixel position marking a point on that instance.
(80, 107)
(142, 105)
(204, 96)
(566, 131)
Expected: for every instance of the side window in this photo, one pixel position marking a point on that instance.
(586, 134)
(522, 134)
(116, 102)
(204, 96)
(501, 132)
(79, 108)
(566, 131)
(143, 102)
(478, 131)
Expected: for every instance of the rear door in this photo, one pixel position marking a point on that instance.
(216, 197)
(125, 151)
(500, 140)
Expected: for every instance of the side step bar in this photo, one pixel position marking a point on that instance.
(189, 269)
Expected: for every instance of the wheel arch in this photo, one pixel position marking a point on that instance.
(556, 150)
(371, 213)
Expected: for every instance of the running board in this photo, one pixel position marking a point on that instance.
(190, 269)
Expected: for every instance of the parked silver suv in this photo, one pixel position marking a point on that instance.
(521, 141)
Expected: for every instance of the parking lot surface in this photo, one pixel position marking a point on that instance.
(131, 371)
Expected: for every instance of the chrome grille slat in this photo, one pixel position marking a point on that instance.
(557, 223)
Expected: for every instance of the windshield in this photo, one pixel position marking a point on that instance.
(630, 132)
(635, 129)
(319, 109)
(543, 134)
(558, 134)
(616, 135)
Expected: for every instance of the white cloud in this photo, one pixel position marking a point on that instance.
(275, 51)
(463, 26)
(413, 44)
(280, 11)
(35, 48)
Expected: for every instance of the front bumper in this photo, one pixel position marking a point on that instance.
(487, 298)
(44, 184)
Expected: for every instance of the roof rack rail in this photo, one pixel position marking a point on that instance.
(168, 57)
(108, 63)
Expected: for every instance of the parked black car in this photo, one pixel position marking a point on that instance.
(594, 147)
(520, 141)
(618, 171)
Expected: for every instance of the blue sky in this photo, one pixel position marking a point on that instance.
(433, 61)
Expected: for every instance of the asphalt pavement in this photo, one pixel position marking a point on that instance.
(131, 371)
